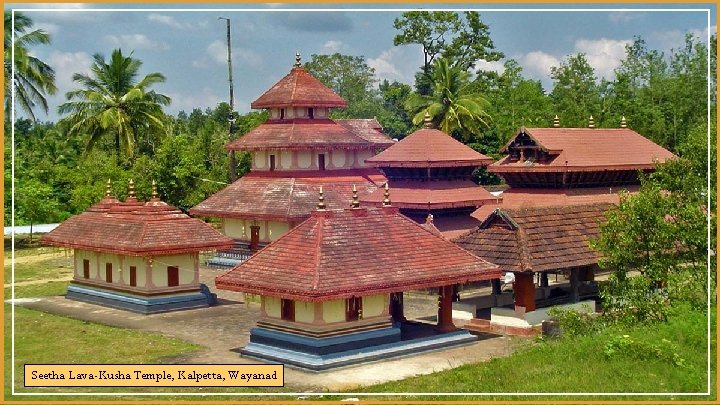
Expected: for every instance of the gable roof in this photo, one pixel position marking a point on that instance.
(136, 229)
(287, 196)
(583, 149)
(306, 134)
(298, 89)
(433, 194)
(428, 148)
(538, 239)
(355, 252)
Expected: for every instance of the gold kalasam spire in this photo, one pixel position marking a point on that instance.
(131, 189)
(321, 201)
(108, 189)
(155, 195)
(556, 122)
(591, 122)
(297, 59)
(427, 121)
(355, 200)
(386, 202)
(623, 122)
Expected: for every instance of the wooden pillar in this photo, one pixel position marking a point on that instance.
(574, 295)
(397, 310)
(524, 289)
(544, 282)
(445, 323)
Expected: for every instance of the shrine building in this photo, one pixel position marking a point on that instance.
(141, 257)
(296, 151)
(327, 288)
(430, 174)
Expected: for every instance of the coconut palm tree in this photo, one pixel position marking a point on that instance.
(33, 78)
(452, 106)
(112, 102)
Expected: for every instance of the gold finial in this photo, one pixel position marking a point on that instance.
(108, 189)
(321, 201)
(591, 122)
(427, 121)
(623, 122)
(556, 122)
(355, 200)
(386, 201)
(155, 195)
(297, 59)
(131, 189)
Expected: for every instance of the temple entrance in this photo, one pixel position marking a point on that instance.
(254, 237)
(397, 311)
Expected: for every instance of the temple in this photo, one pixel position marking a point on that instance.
(137, 256)
(328, 287)
(430, 174)
(296, 151)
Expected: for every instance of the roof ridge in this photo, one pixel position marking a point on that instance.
(525, 256)
(318, 251)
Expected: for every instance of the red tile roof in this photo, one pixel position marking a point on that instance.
(368, 129)
(586, 149)
(287, 196)
(298, 89)
(428, 148)
(355, 252)
(433, 194)
(136, 229)
(306, 134)
(539, 238)
(546, 197)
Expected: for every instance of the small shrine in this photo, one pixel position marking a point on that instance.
(298, 149)
(328, 288)
(430, 174)
(138, 256)
(538, 241)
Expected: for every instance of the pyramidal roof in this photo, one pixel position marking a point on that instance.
(428, 148)
(355, 252)
(298, 89)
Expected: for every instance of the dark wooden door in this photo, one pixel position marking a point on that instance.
(321, 161)
(254, 237)
(86, 268)
(133, 276)
(287, 310)
(353, 308)
(173, 276)
(272, 163)
(108, 272)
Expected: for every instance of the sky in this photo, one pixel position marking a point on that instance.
(187, 42)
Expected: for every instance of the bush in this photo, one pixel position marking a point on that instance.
(626, 346)
(577, 323)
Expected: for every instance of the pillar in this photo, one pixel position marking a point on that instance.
(445, 323)
(524, 288)
(397, 310)
(574, 294)
(544, 282)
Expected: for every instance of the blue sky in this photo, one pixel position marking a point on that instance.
(188, 45)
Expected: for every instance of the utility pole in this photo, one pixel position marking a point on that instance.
(231, 116)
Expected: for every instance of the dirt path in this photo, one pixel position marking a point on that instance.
(33, 258)
(42, 281)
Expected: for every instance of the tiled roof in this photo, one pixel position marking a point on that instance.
(136, 229)
(298, 89)
(304, 134)
(287, 196)
(546, 197)
(355, 252)
(587, 149)
(538, 238)
(428, 148)
(433, 194)
(368, 129)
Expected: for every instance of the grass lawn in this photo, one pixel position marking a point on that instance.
(583, 365)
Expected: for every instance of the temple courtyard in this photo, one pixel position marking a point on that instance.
(225, 328)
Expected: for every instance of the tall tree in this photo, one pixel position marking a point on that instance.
(575, 94)
(113, 103)
(33, 78)
(462, 40)
(452, 107)
(348, 76)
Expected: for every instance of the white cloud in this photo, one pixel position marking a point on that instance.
(217, 52)
(168, 21)
(397, 64)
(50, 28)
(332, 46)
(65, 65)
(135, 41)
(202, 98)
(485, 66)
(675, 39)
(625, 16)
(538, 64)
(603, 54)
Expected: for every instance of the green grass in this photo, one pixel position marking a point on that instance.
(52, 267)
(581, 365)
(39, 290)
